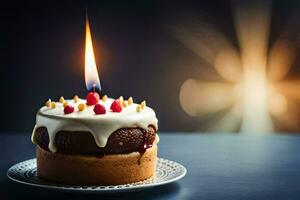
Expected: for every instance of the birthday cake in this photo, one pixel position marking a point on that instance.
(95, 141)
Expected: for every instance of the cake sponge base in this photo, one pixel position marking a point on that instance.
(92, 170)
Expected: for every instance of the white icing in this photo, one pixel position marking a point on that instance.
(100, 126)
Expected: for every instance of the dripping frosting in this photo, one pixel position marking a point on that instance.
(100, 126)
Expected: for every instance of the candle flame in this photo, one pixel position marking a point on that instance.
(91, 74)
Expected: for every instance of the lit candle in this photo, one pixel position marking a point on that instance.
(91, 74)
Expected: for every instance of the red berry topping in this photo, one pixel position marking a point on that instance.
(99, 109)
(68, 109)
(92, 98)
(116, 106)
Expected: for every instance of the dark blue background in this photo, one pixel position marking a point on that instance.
(42, 53)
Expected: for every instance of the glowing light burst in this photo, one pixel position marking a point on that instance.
(253, 89)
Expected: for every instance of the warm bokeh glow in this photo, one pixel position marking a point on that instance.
(252, 27)
(253, 92)
(91, 73)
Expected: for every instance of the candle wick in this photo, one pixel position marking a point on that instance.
(94, 87)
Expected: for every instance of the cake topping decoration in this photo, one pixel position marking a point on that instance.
(138, 108)
(99, 109)
(68, 109)
(121, 98)
(104, 98)
(92, 98)
(61, 99)
(76, 99)
(116, 106)
(130, 101)
(143, 105)
(81, 107)
(53, 105)
(65, 104)
(48, 103)
(124, 104)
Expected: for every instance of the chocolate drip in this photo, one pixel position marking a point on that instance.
(144, 146)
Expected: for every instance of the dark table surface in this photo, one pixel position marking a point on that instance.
(219, 166)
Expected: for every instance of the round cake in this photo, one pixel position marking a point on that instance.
(108, 143)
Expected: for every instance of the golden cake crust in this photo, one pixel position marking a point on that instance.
(92, 170)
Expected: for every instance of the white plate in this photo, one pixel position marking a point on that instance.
(166, 172)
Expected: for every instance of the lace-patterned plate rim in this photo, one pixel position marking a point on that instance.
(167, 171)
